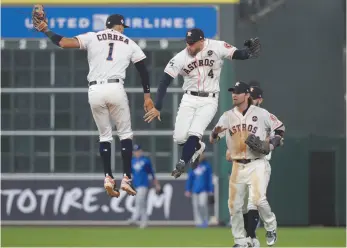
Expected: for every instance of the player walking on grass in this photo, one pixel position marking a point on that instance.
(200, 64)
(250, 212)
(246, 128)
(109, 54)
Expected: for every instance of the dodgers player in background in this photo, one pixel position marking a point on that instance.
(199, 187)
(109, 54)
(250, 170)
(200, 64)
(141, 168)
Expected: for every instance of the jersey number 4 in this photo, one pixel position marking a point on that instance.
(210, 73)
(110, 51)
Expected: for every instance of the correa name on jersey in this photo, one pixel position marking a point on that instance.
(108, 36)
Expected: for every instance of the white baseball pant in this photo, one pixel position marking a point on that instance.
(110, 106)
(254, 177)
(200, 208)
(248, 203)
(194, 115)
(141, 206)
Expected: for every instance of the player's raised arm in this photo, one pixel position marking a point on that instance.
(161, 92)
(138, 58)
(40, 24)
(251, 50)
(171, 71)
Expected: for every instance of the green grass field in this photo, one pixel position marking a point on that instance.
(161, 237)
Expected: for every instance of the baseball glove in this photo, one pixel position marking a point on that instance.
(258, 145)
(39, 18)
(210, 199)
(254, 46)
(159, 191)
(148, 104)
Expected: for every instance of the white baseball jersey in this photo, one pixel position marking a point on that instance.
(202, 72)
(109, 53)
(257, 121)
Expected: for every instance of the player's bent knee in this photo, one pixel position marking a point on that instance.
(126, 135)
(234, 211)
(251, 207)
(198, 135)
(105, 139)
(180, 139)
(259, 201)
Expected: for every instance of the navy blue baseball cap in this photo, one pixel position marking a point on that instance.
(194, 35)
(239, 88)
(115, 19)
(136, 148)
(256, 92)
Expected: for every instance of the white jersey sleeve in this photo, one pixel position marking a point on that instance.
(272, 122)
(85, 39)
(175, 65)
(226, 50)
(224, 123)
(137, 54)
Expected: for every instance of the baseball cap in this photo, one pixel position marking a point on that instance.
(194, 35)
(136, 147)
(115, 19)
(256, 92)
(239, 88)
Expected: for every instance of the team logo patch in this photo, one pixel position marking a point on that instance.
(209, 53)
(254, 118)
(273, 118)
(227, 45)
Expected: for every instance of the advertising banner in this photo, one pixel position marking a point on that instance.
(145, 22)
(77, 201)
(12, 2)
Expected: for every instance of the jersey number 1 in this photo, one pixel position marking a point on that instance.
(110, 51)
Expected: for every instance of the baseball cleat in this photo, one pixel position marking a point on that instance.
(110, 187)
(271, 238)
(127, 186)
(180, 168)
(238, 245)
(256, 243)
(196, 156)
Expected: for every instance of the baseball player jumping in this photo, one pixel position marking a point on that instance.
(246, 128)
(109, 54)
(200, 64)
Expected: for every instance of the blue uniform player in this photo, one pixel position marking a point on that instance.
(141, 168)
(199, 186)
